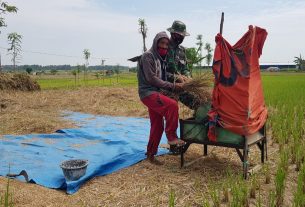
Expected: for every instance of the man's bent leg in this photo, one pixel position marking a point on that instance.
(156, 131)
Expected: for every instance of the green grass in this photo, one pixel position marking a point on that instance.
(68, 81)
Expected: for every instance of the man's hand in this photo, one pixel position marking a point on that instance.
(179, 79)
(182, 78)
(185, 78)
(178, 87)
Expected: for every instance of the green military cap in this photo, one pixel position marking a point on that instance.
(179, 28)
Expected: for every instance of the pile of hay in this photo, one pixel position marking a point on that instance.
(17, 81)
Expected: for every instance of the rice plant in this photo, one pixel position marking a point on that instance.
(299, 156)
(299, 195)
(266, 170)
(7, 199)
(215, 197)
(226, 194)
(280, 186)
(206, 203)
(240, 194)
(254, 187)
(172, 198)
(271, 201)
(284, 159)
(259, 202)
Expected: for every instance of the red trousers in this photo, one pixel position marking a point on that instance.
(160, 106)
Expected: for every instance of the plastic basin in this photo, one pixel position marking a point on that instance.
(74, 169)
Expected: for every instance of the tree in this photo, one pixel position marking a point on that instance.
(300, 63)
(5, 8)
(193, 57)
(53, 72)
(98, 76)
(200, 44)
(86, 56)
(133, 70)
(78, 70)
(209, 56)
(74, 72)
(117, 71)
(143, 31)
(14, 40)
(29, 70)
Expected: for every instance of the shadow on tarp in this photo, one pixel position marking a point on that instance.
(109, 143)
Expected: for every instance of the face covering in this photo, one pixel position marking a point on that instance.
(178, 39)
(162, 52)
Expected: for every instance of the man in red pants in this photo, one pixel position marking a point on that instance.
(151, 78)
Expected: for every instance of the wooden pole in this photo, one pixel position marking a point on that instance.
(221, 22)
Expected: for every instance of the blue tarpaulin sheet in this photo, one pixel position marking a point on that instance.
(109, 143)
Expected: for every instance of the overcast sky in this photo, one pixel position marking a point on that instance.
(109, 28)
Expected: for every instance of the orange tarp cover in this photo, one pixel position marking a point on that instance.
(238, 101)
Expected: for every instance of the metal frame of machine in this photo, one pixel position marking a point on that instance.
(242, 150)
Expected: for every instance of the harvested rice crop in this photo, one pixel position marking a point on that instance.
(17, 81)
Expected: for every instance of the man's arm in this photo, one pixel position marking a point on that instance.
(184, 69)
(172, 66)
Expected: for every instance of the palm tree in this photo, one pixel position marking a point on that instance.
(200, 44)
(14, 41)
(143, 31)
(209, 56)
(299, 62)
(5, 8)
(86, 56)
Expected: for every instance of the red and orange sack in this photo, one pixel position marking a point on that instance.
(238, 102)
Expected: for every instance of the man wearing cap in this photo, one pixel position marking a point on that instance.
(177, 68)
(176, 58)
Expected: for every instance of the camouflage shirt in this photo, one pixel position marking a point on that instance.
(176, 60)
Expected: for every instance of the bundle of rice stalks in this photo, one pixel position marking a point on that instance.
(200, 87)
(196, 91)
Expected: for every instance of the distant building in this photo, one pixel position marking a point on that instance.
(279, 66)
(39, 73)
(109, 72)
(273, 69)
